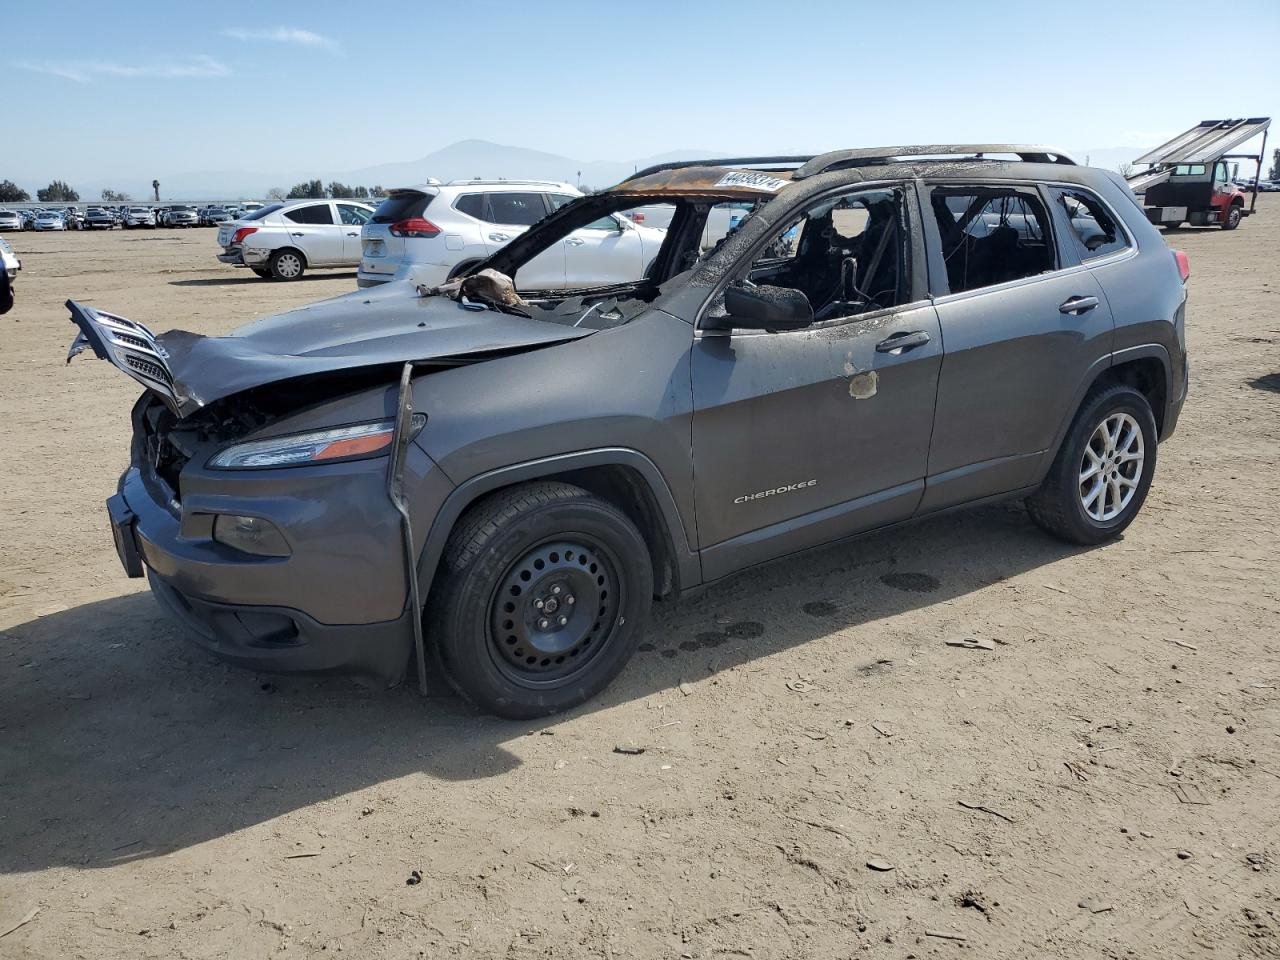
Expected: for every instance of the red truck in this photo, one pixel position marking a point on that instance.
(1191, 179)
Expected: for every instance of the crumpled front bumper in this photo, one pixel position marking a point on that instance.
(337, 603)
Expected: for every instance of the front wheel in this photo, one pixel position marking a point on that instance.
(286, 265)
(1103, 470)
(1234, 215)
(540, 600)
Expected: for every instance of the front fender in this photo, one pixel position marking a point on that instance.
(467, 492)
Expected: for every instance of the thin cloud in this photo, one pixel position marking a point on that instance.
(85, 71)
(290, 35)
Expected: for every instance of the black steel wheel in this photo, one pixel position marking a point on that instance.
(1235, 213)
(540, 600)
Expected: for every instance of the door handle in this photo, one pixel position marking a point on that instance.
(575, 241)
(499, 237)
(902, 341)
(1077, 305)
(349, 234)
(295, 234)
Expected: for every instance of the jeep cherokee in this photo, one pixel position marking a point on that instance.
(502, 479)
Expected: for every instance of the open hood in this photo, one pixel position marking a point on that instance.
(189, 371)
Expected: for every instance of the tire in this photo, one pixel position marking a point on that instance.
(1059, 506)
(511, 557)
(1234, 215)
(287, 264)
(263, 272)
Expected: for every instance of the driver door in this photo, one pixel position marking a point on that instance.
(811, 435)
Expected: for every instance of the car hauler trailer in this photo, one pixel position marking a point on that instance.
(1190, 179)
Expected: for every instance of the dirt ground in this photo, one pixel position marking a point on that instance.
(1105, 782)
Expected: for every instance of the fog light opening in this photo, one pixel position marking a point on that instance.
(250, 535)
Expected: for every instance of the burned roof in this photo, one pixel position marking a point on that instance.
(712, 181)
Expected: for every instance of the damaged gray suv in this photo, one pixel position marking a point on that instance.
(502, 479)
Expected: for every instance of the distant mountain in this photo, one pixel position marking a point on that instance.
(458, 161)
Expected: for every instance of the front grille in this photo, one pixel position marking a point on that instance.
(148, 368)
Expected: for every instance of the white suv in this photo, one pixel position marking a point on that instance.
(432, 232)
(282, 240)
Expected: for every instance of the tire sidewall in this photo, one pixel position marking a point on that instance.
(461, 626)
(1112, 401)
(1234, 216)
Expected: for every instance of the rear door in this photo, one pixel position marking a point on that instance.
(1023, 323)
(608, 250)
(313, 230)
(352, 219)
(510, 214)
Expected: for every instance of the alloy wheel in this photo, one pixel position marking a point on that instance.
(1111, 467)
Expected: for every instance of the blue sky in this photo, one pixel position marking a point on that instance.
(98, 90)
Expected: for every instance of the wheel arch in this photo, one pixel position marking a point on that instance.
(1145, 367)
(462, 266)
(289, 248)
(624, 477)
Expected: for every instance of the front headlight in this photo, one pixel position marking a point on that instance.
(318, 446)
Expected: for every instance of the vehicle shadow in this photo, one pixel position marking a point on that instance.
(122, 741)
(247, 277)
(1268, 381)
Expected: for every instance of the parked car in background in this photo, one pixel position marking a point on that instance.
(10, 220)
(136, 217)
(181, 216)
(96, 218)
(1268, 186)
(432, 232)
(29, 219)
(284, 240)
(212, 216)
(552, 463)
(9, 260)
(50, 220)
(72, 218)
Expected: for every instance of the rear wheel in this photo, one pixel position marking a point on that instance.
(286, 264)
(541, 599)
(1103, 470)
(1234, 215)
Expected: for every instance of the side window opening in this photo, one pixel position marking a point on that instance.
(353, 216)
(847, 254)
(517, 209)
(1093, 225)
(991, 235)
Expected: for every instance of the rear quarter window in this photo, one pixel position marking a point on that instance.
(472, 204)
(1094, 227)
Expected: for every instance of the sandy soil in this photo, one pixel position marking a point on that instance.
(1103, 783)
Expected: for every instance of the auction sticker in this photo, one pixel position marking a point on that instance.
(753, 180)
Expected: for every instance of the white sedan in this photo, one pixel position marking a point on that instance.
(283, 240)
(50, 220)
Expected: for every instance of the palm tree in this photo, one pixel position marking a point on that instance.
(155, 185)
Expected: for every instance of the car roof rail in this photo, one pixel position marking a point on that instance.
(750, 163)
(498, 181)
(872, 156)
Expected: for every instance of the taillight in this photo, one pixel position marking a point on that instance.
(242, 233)
(414, 227)
(1184, 265)
(637, 217)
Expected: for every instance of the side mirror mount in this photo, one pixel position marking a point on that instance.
(775, 309)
